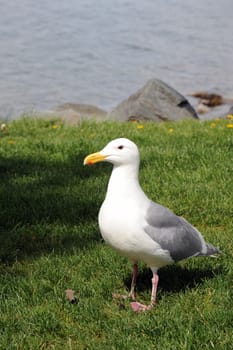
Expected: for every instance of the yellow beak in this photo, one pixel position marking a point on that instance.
(94, 158)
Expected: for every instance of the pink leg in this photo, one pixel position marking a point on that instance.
(133, 284)
(137, 307)
(155, 281)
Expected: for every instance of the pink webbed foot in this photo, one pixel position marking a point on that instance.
(138, 307)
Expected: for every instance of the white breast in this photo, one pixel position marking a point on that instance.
(121, 225)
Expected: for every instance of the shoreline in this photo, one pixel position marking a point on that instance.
(203, 104)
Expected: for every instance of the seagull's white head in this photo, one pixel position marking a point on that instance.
(118, 152)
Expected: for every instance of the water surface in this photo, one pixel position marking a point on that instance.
(85, 51)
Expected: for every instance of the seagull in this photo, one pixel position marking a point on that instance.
(137, 227)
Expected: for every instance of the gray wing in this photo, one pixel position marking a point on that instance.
(175, 234)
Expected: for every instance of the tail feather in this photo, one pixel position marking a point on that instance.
(211, 250)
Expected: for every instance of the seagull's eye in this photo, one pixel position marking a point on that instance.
(120, 147)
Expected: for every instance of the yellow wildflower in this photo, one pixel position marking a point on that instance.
(140, 126)
(213, 125)
(230, 126)
(230, 116)
(170, 130)
(54, 126)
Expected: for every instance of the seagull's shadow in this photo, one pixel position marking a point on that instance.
(173, 279)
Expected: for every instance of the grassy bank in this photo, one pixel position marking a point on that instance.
(50, 240)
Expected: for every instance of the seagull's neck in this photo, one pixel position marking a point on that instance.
(124, 181)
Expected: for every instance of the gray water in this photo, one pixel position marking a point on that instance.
(99, 52)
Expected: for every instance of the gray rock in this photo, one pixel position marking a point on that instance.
(72, 113)
(155, 101)
(230, 111)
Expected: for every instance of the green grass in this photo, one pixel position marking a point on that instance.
(50, 240)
